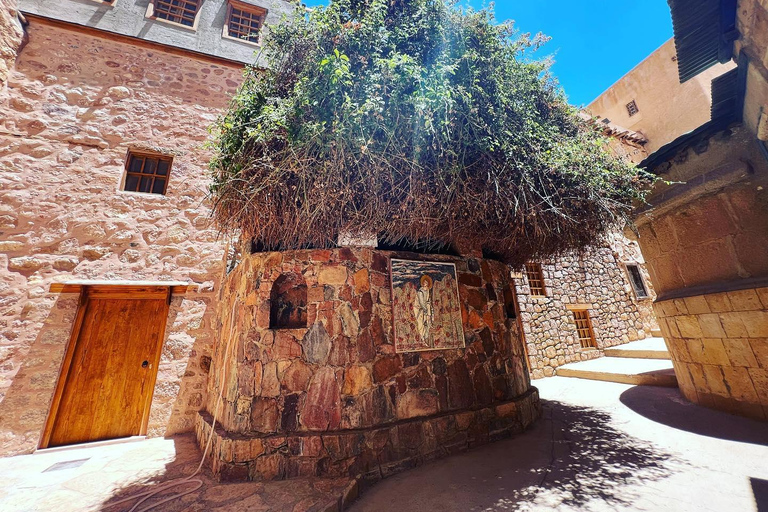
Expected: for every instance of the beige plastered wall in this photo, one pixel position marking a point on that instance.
(73, 106)
(662, 116)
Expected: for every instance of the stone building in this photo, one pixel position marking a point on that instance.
(104, 219)
(584, 303)
(100, 89)
(705, 227)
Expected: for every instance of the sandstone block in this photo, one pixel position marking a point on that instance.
(316, 344)
(386, 368)
(357, 380)
(296, 377)
(322, 408)
(710, 326)
(264, 415)
(417, 403)
(756, 323)
(740, 352)
(745, 300)
(362, 281)
(335, 275)
(10, 246)
(25, 264)
(689, 326)
(733, 325)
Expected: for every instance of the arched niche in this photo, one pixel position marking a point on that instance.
(288, 302)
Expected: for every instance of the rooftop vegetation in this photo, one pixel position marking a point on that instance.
(418, 121)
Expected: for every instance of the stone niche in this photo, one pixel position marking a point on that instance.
(333, 398)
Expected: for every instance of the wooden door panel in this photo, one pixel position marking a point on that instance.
(106, 392)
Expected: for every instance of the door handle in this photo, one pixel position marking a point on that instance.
(145, 364)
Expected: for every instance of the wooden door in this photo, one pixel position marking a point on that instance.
(109, 371)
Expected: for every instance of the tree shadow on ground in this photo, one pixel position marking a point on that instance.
(591, 461)
(668, 407)
(572, 458)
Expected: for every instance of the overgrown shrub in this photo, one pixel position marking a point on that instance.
(418, 121)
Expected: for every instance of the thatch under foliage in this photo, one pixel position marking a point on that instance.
(420, 122)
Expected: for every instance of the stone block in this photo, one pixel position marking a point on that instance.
(760, 350)
(763, 294)
(740, 384)
(332, 275)
(688, 326)
(745, 300)
(697, 305)
(759, 378)
(385, 368)
(733, 325)
(719, 303)
(710, 326)
(316, 344)
(714, 352)
(322, 409)
(357, 380)
(740, 352)
(417, 403)
(756, 323)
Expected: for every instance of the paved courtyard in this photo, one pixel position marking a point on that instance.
(600, 446)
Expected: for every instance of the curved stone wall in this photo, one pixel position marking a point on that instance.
(334, 398)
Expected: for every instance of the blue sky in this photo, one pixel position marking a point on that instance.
(594, 42)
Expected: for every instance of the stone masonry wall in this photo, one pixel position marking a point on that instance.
(334, 398)
(719, 346)
(73, 107)
(10, 38)
(597, 278)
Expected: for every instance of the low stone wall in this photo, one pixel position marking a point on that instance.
(596, 278)
(719, 345)
(340, 378)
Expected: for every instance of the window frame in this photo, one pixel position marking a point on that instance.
(542, 287)
(151, 14)
(244, 6)
(632, 105)
(585, 326)
(632, 281)
(146, 154)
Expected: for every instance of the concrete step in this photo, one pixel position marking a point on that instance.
(636, 371)
(649, 348)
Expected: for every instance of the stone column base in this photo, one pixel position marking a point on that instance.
(719, 346)
(367, 454)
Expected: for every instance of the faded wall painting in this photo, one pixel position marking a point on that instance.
(425, 306)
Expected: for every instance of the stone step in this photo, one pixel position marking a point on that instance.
(649, 348)
(636, 371)
(656, 333)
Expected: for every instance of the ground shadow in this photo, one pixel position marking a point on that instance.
(305, 494)
(760, 491)
(572, 457)
(668, 407)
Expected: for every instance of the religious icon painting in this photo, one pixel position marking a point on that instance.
(425, 306)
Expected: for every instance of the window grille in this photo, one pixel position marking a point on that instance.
(177, 11)
(245, 22)
(535, 279)
(147, 173)
(632, 108)
(638, 283)
(584, 329)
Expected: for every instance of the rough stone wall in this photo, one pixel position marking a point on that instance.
(719, 346)
(73, 107)
(599, 279)
(341, 375)
(10, 38)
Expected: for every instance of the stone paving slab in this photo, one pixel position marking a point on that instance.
(92, 478)
(600, 447)
(649, 348)
(650, 372)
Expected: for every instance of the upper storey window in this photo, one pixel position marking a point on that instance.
(147, 173)
(244, 21)
(183, 12)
